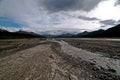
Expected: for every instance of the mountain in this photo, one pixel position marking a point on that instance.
(60, 33)
(2, 30)
(95, 33)
(66, 35)
(4, 34)
(63, 33)
(70, 35)
(28, 33)
(111, 32)
(82, 34)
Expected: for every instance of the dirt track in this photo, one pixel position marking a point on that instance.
(47, 62)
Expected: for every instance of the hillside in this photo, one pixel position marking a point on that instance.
(4, 34)
(111, 32)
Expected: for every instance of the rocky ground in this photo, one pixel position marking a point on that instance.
(34, 59)
(106, 47)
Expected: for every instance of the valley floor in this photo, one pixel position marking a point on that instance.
(35, 59)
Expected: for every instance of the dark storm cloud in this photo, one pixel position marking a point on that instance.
(103, 26)
(118, 20)
(117, 2)
(65, 5)
(0, 0)
(88, 18)
(108, 22)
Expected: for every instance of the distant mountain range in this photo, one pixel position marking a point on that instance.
(60, 32)
(111, 32)
(4, 34)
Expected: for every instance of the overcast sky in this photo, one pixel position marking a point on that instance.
(44, 15)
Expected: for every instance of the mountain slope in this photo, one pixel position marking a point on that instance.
(4, 34)
(111, 32)
(28, 33)
(62, 32)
